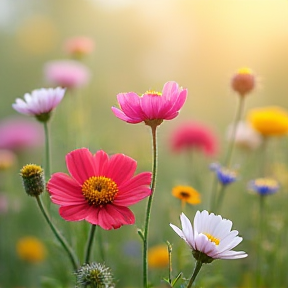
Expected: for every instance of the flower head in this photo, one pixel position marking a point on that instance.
(79, 46)
(18, 133)
(94, 275)
(210, 237)
(31, 249)
(269, 121)
(39, 103)
(192, 135)
(66, 73)
(246, 137)
(158, 256)
(33, 179)
(264, 186)
(225, 175)
(152, 107)
(243, 81)
(186, 194)
(99, 189)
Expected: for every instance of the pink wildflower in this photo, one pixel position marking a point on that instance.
(66, 73)
(152, 107)
(99, 189)
(39, 103)
(20, 133)
(79, 46)
(194, 136)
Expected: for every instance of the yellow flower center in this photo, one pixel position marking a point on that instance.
(212, 238)
(99, 190)
(244, 70)
(30, 170)
(153, 93)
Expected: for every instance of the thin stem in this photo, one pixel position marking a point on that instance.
(148, 209)
(89, 243)
(195, 273)
(57, 234)
(220, 198)
(169, 248)
(234, 130)
(260, 239)
(47, 151)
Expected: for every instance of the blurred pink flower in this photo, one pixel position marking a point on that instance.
(194, 136)
(19, 133)
(99, 189)
(66, 73)
(152, 107)
(7, 159)
(78, 46)
(39, 103)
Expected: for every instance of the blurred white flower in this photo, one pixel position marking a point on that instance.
(211, 238)
(40, 102)
(246, 137)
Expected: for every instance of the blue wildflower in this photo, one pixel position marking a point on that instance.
(264, 186)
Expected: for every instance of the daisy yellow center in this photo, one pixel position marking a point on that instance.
(99, 190)
(212, 238)
(153, 93)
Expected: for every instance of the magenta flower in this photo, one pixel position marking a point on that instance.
(66, 73)
(192, 136)
(99, 189)
(39, 103)
(152, 107)
(18, 133)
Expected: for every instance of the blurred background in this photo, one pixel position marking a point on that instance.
(138, 45)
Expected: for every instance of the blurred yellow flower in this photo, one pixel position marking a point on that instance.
(269, 121)
(186, 194)
(31, 249)
(158, 256)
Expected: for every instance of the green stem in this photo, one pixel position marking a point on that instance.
(234, 130)
(195, 273)
(220, 199)
(47, 151)
(148, 209)
(260, 239)
(57, 234)
(89, 243)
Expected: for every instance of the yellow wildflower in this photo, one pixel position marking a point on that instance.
(186, 194)
(158, 256)
(31, 249)
(269, 121)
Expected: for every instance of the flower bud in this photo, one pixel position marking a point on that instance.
(94, 275)
(243, 81)
(33, 179)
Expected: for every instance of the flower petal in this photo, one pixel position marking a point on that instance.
(80, 164)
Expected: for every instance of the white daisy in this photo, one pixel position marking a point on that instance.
(40, 102)
(211, 237)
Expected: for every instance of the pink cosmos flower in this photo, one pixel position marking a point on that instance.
(66, 73)
(39, 102)
(99, 189)
(79, 46)
(18, 133)
(152, 107)
(194, 136)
